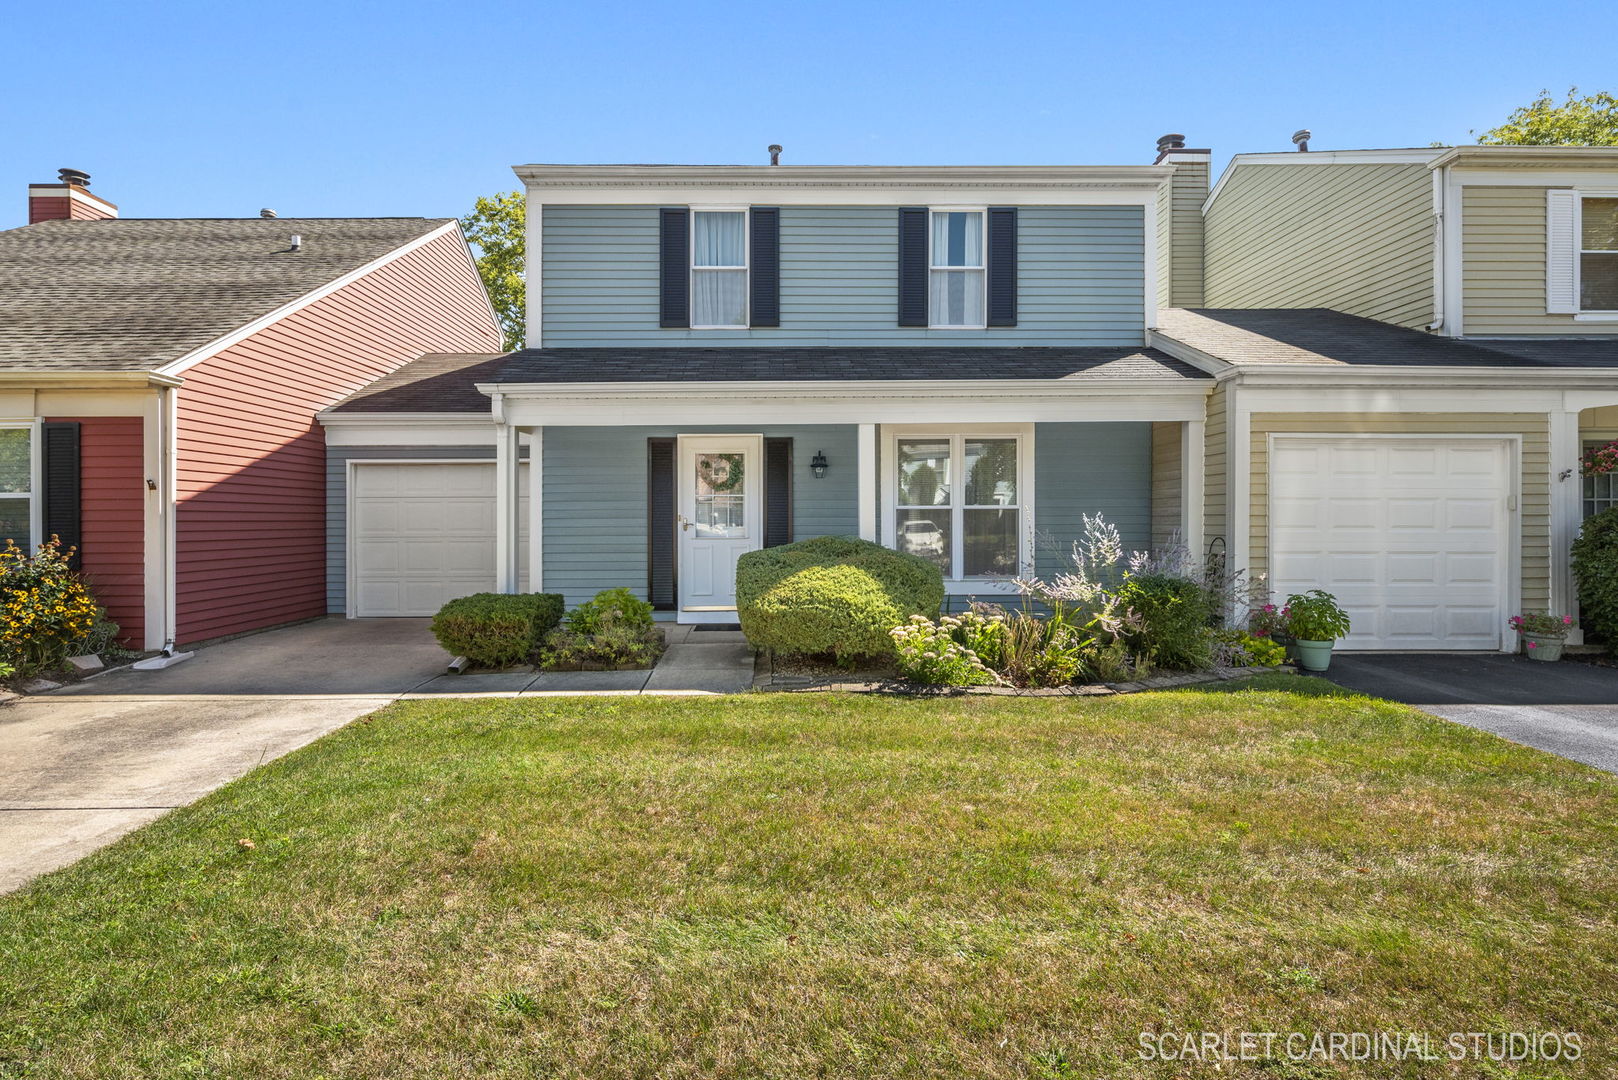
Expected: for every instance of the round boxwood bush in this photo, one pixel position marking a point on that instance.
(1595, 567)
(497, 629)
(833, 596)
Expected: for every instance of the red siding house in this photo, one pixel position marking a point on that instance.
(159, 382)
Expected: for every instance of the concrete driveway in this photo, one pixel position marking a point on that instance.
(83, 766)
(1566, 708)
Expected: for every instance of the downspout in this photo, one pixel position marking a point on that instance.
(168, 501)
(1440, 187)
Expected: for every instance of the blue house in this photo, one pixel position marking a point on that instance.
(953, 361)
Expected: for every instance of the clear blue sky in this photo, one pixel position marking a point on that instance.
(185, 109)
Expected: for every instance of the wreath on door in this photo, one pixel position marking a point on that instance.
(723, 473)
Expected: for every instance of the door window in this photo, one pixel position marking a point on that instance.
(721, 495)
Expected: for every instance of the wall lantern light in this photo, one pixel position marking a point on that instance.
(818, 464)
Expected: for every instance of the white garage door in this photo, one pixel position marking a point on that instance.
(1411, 535)
(424, 534)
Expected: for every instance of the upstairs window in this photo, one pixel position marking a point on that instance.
(1598, 254)
(719, 269)
(956, 270)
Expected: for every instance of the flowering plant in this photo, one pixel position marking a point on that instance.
(929, 654)
(1542, 624)
(45, 609)
(1600, 460)
(1268, 621)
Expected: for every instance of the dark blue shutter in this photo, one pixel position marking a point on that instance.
(912, 266)
(777, 492)
(1002, 266)
(764, 267)
(59, 469)
(674, 262)
(661, 525)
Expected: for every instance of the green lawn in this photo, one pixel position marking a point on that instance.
(830, 886)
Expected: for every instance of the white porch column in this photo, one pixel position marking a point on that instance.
(867, 481)
(1191, 478)
(505, 508)
(1566, 509)
(536, 519)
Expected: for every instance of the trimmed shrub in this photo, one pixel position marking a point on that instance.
(1595, 567)
(609, 608)
(615, 648)
(497, 629)
(833, 596)
(1174, 614)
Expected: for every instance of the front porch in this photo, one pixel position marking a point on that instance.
(639, 488)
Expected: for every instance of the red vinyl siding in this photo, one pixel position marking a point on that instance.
(112, 517)
(252, 460)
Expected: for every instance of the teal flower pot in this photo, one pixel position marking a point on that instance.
(1313, 655)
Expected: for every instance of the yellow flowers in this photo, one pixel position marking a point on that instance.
(46, 611)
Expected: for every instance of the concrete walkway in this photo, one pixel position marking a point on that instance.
(1566, 708)
(85, 765)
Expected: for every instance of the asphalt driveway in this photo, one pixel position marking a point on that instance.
(82, 766)
(1566, 708)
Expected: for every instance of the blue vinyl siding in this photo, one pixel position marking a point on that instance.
(595, 499)
(1090, 469)
(1081, 280)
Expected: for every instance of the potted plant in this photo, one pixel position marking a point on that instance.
(1315, 622)
(1542, 633)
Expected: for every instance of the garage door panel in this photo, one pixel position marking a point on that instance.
(1411, 535)
(424, 535)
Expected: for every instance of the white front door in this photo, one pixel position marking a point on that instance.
(721, 518)
(1412, 535)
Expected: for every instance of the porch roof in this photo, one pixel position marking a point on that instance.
(1320, 337)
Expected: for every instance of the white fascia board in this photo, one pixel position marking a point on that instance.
(834, 175)
(329, 418)
(1461, 379)
(242, 333)
(1207, 362)
(1409, 156)
(1098, 194)
(84, 380)
(884, 402)
(1602, 180)
(1259, 398)
(1526, 156)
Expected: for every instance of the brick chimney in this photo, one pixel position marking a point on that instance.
(68, 199)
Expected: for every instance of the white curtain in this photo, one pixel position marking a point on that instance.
(956, 298)
(719, 239)
(957, 238)
(719, 298)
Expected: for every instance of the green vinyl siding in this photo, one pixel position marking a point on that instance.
(1357, 238)
(1081, 280)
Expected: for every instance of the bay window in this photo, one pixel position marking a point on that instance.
(958, 501)
(718, 269)
(957, 271)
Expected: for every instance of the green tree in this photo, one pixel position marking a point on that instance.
(1579, 121)
(495, 228)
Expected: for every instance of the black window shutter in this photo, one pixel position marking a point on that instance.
(60, 470)
(661, 523)
(777, 492)
(764, 267)
(674, 261)
(912, 266)
(1002, 266)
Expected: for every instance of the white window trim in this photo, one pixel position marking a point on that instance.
(958, 434)
(982, 268)
(1585, 314)
(693, 269)
(36, 522)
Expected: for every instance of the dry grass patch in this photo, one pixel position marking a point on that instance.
(782, 886)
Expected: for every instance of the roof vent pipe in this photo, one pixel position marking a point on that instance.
(266, 213)
(1300, 139)
(297, 242)
(775, 153)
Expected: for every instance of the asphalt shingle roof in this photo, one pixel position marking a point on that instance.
(434, 383)
(1321, 337)
(130, 294)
